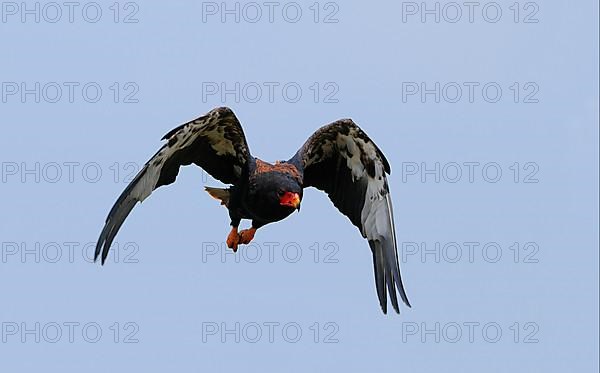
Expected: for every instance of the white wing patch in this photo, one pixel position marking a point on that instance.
(376, 213)
(354, 163)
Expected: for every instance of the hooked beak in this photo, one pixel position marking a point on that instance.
(291, 200)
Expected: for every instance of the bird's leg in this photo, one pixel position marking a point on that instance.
(247, 235)
(233, 239)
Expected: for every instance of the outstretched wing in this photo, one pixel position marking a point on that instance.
(215, 142)
(341, 160)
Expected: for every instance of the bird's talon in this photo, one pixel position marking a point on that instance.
(233, 239)
(247, 235)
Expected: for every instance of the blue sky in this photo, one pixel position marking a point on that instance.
(489, 119)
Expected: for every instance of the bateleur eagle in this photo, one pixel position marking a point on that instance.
(339, 159)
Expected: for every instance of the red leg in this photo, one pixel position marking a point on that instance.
(233, 239)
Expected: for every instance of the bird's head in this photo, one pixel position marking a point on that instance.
(288, 193)
(276, 188)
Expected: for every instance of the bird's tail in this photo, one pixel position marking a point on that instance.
(219, 193)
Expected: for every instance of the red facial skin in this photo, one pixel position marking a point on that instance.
(290, 199)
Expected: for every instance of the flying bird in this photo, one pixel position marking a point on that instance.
(339, 159)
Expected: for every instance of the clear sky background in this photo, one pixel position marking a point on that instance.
(501, 268)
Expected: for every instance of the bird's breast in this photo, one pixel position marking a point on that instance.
(261, 208)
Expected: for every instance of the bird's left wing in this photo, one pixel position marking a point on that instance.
(215, 142)
(341, 160)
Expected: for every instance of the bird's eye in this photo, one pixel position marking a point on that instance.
(280, 193)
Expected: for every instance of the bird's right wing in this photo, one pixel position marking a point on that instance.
(341, 160)
(215, 142)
